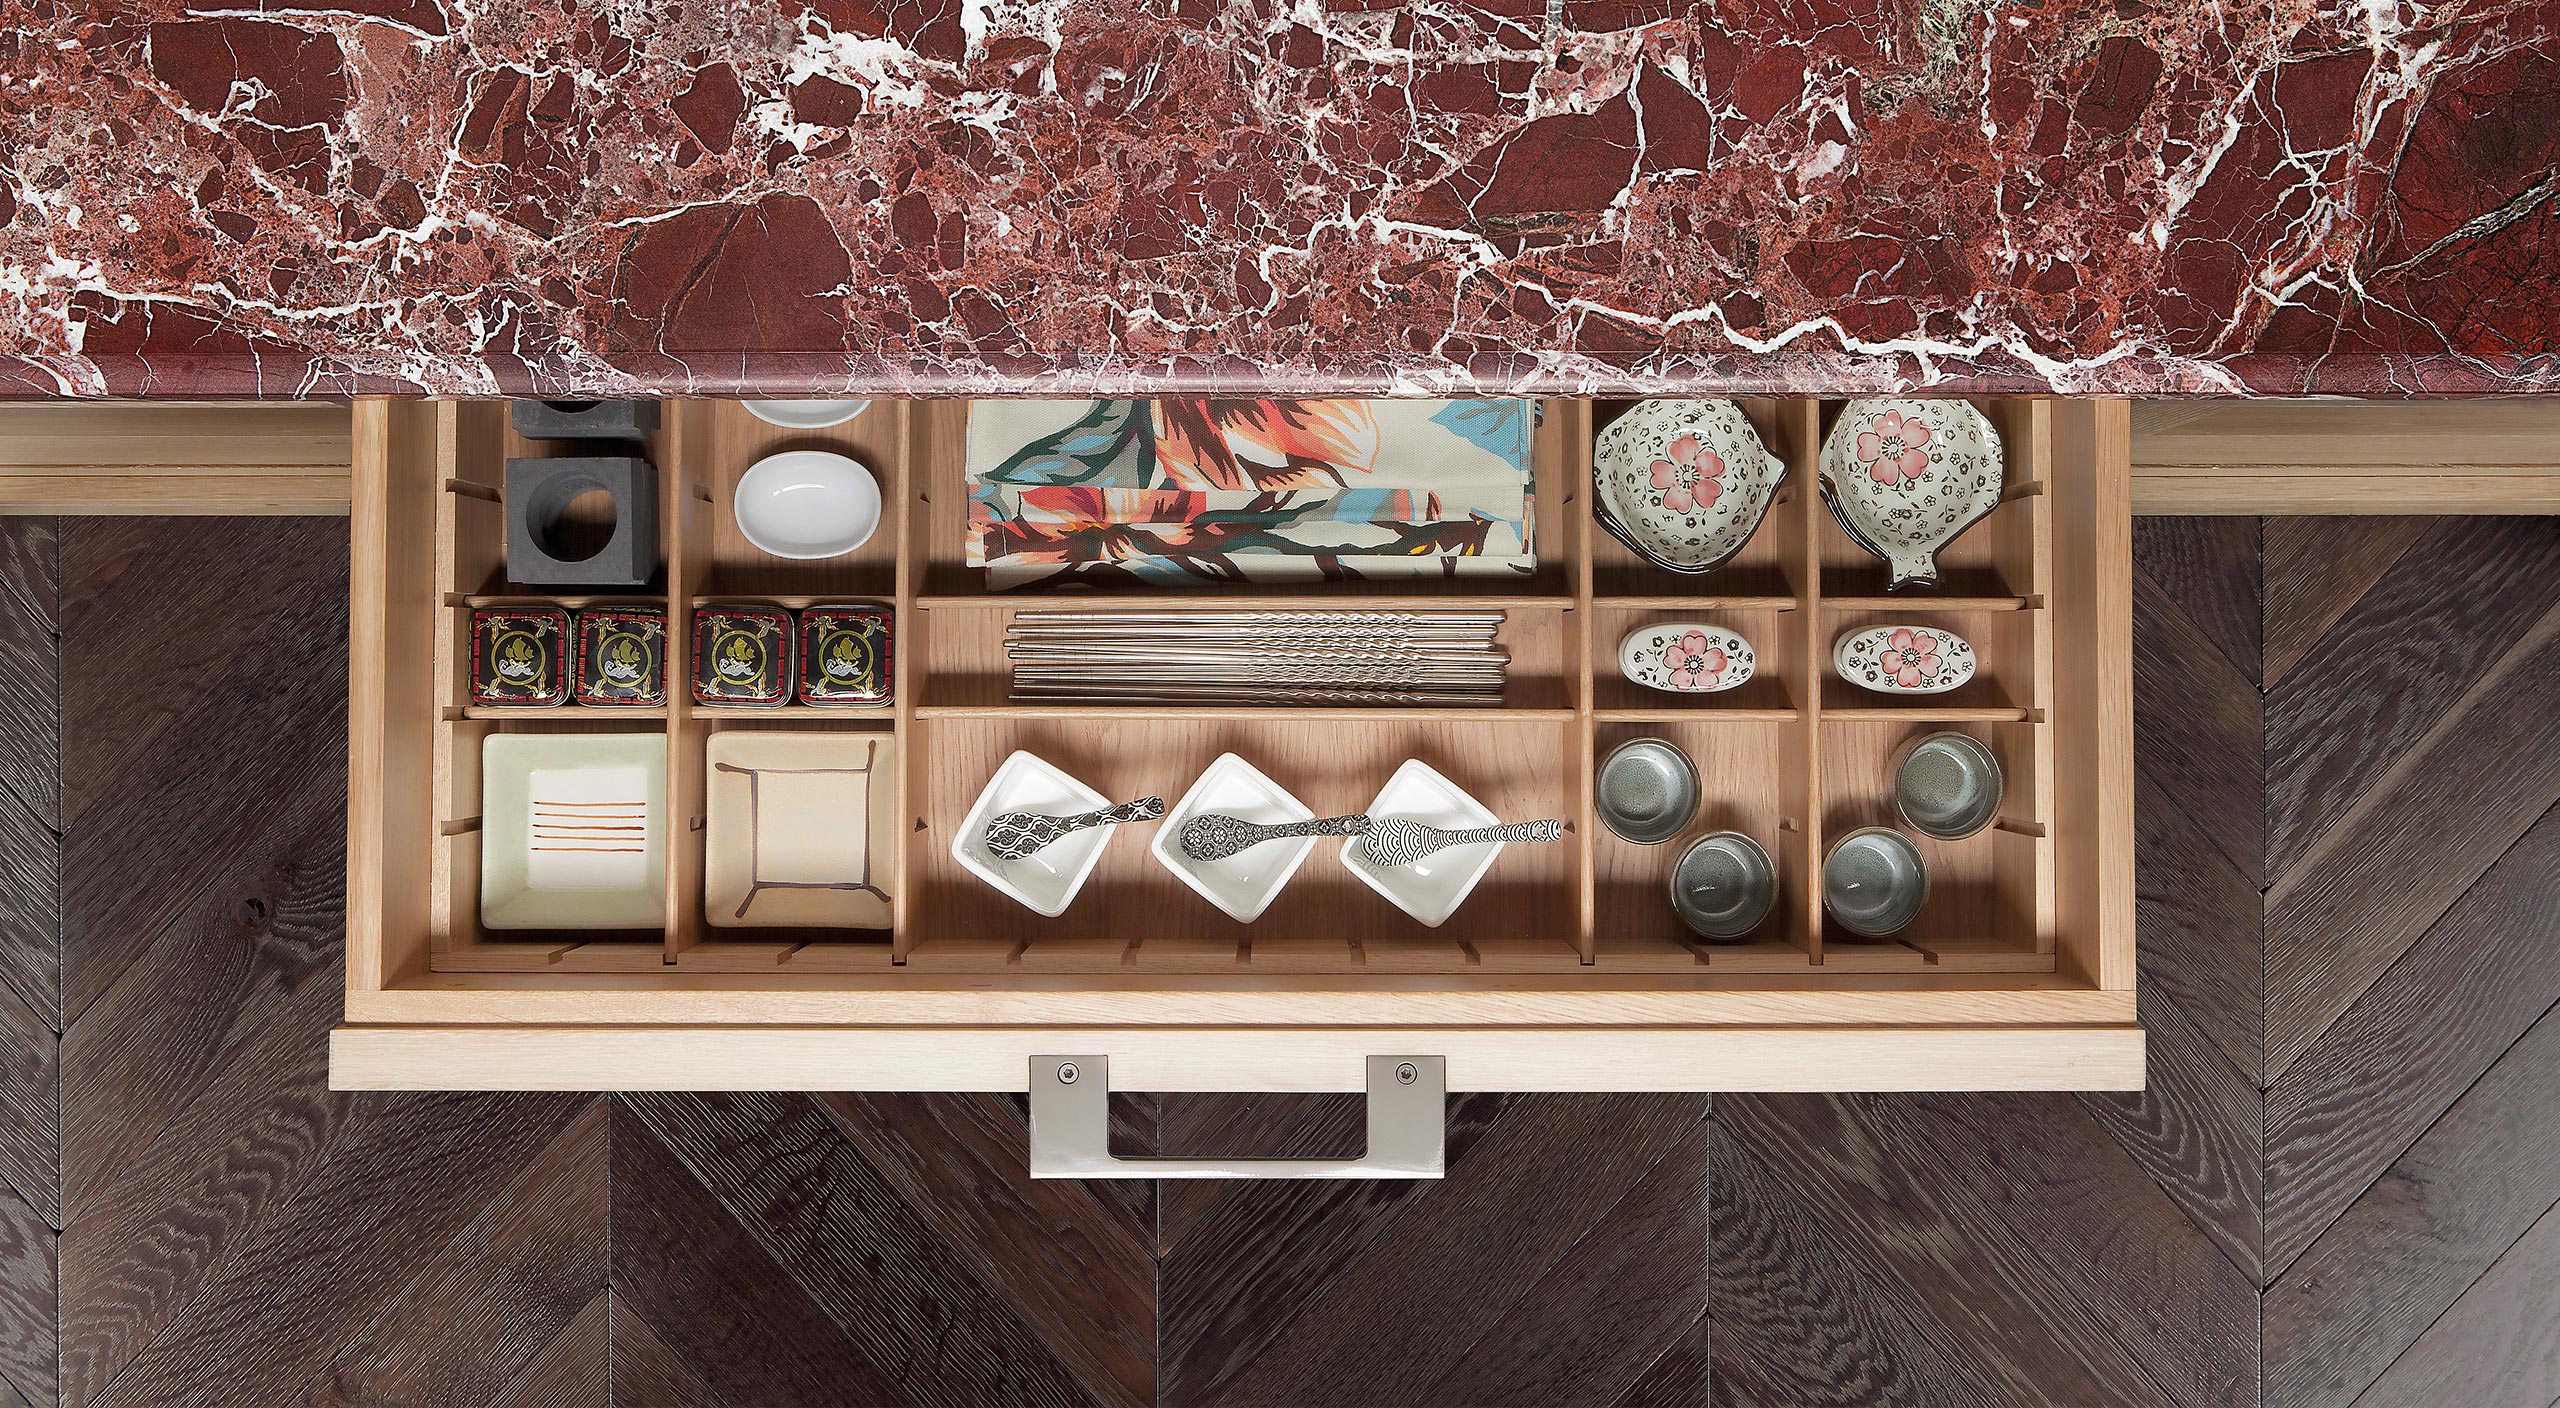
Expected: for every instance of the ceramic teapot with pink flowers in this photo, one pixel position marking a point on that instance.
(1683, 483)
(1905, 477)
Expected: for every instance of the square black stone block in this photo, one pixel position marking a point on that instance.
(541, 550)
(585, 420)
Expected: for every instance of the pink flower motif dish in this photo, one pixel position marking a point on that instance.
(1683, 483)
(1687, 475)
(1894, 451)
(1903, 659)
(1904, 478)
(1685, 657)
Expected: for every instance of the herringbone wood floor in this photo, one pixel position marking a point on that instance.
(2339, 1189)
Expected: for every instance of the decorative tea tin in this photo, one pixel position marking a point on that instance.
(520, 656)
(847, 656)
(622, 656)
(742, 655)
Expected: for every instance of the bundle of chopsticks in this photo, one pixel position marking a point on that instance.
(1257, 657)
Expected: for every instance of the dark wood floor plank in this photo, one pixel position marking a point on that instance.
(1681, 1376)
(575, 1370)
(1067, 1266)
(2199, 920)
(30, 704)
(31, 565)
(1396, 1319)
(2434, 1223)
(1635, 1285)
(30, 1108)
(135, 1057)
(31, 911)
(163, 765)
(911, 1304)
(1905, 1213)
(2196, 729)
(2377, 879)
(497, 1295)
(185, 858)
(2209, 567)
(645, 1370)
(2059, 1183)
(2314, 569)
(156, 1236)
(2197, 1127)
(416, 1171)
(2412, 646)
(29, 1302)
(1223, 1291)
(703, 1304)
(1800, 1319)
(2417, 1039)
(210, 601)
(1290, 1125)
(2500, 1343)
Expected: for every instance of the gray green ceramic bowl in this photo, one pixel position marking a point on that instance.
(1723, 886)
(1947, 785)
(1646, 791)
(1874, 882)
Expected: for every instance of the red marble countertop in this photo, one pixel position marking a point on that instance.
(1069, 196)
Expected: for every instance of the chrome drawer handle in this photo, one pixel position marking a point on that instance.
(1071, 1127)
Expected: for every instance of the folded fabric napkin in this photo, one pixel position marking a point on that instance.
(1170, 491)
(1008, 522)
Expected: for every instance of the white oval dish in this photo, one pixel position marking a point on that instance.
(805, 415)
(1904, 478)
(807, 504)
(1683, 483)
(1686, 657)
(1903, 659)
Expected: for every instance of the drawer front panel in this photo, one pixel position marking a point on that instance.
(1237, 1058)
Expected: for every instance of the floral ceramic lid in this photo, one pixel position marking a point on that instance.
(1683, 483)
(1905, 477)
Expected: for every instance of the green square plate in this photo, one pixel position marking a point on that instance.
(573, 831)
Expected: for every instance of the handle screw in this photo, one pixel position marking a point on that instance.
(1406, 1074)
(1066, 1073)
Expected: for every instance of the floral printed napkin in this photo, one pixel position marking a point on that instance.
(1172, 491)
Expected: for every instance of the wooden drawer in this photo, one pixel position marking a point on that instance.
(1566, 972)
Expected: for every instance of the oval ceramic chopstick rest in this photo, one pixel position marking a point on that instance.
(1684, 657)
(1903, 659)
(1683, 483)
(1904, 478)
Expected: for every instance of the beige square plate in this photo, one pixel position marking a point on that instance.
(795, 830)
(571, 833)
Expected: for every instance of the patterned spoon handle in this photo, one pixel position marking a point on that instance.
(1216, 836)
(1395, 841)
(1516, 831)
(1016, 835)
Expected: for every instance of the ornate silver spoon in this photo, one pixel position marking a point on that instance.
(1014, 835)
(1392, 840)
(1216, 836)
